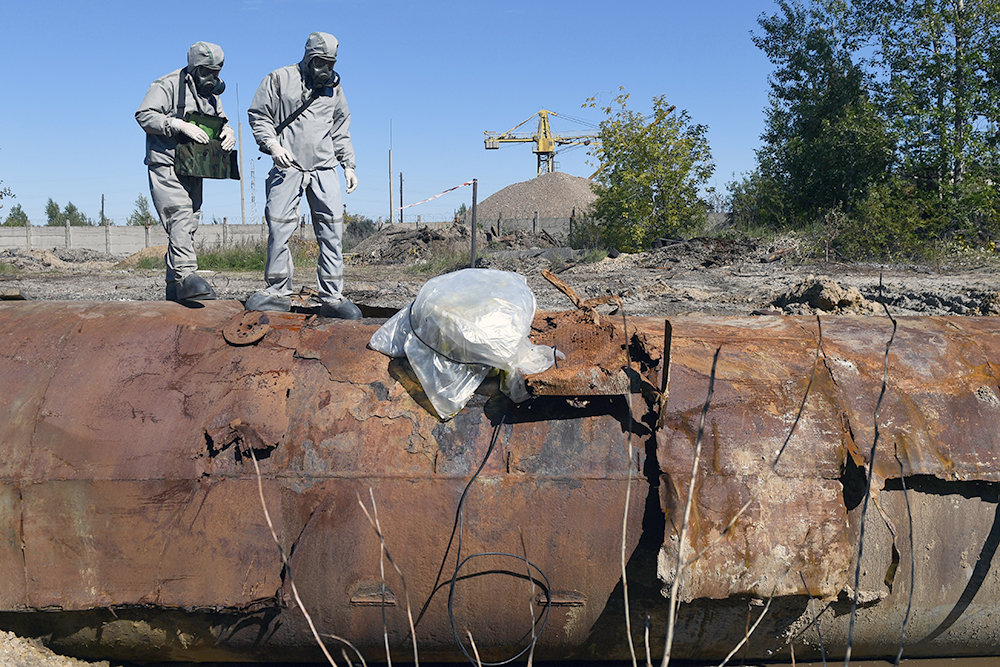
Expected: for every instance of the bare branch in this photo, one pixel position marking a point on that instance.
(284, 559)
(679, 570)
(406, 593)
(868, 489)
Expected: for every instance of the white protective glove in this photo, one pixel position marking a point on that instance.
(283, 159)
(190, 130)
(350, 179)
(228, 138)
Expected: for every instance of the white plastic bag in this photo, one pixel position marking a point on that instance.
(460, 326)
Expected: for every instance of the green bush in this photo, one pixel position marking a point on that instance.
(587, 233)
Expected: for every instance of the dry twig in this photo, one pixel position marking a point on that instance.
(284, 559)
(913, 564)
(475, 651)
(868, 490)
(679, 569)
(373, 520)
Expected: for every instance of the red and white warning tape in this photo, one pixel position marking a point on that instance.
(435, 196)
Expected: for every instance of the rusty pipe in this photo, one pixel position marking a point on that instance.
(127, 504)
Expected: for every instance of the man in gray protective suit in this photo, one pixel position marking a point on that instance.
(162, 114)
(299, 116)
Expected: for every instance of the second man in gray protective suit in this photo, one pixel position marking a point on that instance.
(299, 116)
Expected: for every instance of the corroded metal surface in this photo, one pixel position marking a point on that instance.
(125, 482)
(764, 524)
(796, 515)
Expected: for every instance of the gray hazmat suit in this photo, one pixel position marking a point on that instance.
(177, 199)
(319, 139)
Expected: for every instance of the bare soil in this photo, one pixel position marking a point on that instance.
(714, 276)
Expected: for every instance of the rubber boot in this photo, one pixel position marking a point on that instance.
(194, 287)
(344, 310)
(265, 301)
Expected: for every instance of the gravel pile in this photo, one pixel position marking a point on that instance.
(17, 652)
(80, 255)
(399, 244)
(552, 195)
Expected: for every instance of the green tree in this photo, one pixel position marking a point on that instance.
(940, 83)
(825, 142)
(4, 192)
(653, 170)
(53, 215)
(75, 216)
(141, 215)
(16, 218)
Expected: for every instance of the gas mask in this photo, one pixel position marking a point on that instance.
(207, 81)
(319, 72)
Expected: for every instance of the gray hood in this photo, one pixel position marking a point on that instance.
(321, 44)
(210, 55)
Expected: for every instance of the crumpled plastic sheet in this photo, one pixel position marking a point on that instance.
(460, 326)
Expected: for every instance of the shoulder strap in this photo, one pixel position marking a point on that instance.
(295, 114)
(181, 93)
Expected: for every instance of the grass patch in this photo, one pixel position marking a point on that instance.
(245, 255)
(149, 263)
(443, 262)
(242, 256)
(8, 269)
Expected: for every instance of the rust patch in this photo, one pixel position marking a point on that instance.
(599, 355)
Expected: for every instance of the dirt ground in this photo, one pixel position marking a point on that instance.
(714, 276)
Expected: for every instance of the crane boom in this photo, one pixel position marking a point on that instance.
(545, 142)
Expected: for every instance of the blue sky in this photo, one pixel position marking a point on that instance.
(439, 72)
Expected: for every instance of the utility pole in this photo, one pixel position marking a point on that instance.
(392, 212)
(400, 197)
(475, 193)
(104, 221)
(239, 138)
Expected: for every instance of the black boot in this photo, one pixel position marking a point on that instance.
(265, 301)
(344, 310)
(193, 287)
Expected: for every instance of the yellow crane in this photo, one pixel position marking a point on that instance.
(545, 142)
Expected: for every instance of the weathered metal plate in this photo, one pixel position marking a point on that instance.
(247, 329)
(941, 409)
(796, 518)
(940, 414)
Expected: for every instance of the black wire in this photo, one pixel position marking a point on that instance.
(458, 527)
(458, 516)
(451, 600)
(409, 319)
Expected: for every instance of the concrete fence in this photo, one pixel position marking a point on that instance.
(125, 240)
(119, 240)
